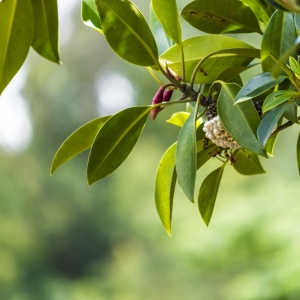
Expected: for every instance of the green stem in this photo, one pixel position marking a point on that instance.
(154, 75)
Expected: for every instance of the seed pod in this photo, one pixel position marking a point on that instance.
(158, 98)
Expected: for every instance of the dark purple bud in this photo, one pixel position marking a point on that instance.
(167, 95)
(158, 98)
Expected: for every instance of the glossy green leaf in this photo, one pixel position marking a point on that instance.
(200, 134)
(298, 153)
(257, 86)
(294, 65)
(16, 23)
(231, 73)
(162, 40)
(179, 118)
(189, 107)
(277, 98)
(186, 155)
(79, 141)
(247, 163)
(290, 113)
(272, 141)
(127, 32)
(208, 194)
(297, 22)
(165, 187)
(215, 16)
(258, 9)
(167, 14)
(240, 120)
(278, 38)
(89, 15)
(115, 141)
(45, 37)
(232, 53)
(269, 122)
(204, 156)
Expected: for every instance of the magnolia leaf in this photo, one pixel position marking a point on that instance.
(204, 156)
(127, 32)
(179, 118)
(45, 37)
(224, 16)
(90, 16)
(165, 186)
(247, 163)
(269, 122)
(208, 194)
(232, 73)
(162, 40)
(16, 23)
(278, 38)
(294, 65)
(257, 86)
(186, 155)
(167, 14)
(277, 98)
(272, 141)
(240, 120)
(290, 113)
(259, 11)
(115, 140)
(79, 141)
(232, 52)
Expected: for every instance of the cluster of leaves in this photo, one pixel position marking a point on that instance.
(213, 61)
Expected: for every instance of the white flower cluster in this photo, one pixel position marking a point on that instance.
(215, 131)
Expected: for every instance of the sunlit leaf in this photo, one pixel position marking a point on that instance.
(115, 141)
(127, 32)
(162, 40)
(269, 122)
(89, 15)
(79, 141)
(272, 141)
(278, 38)
(257, 86)
(186, 155)
(208, 194)
(16, 24)
(259, 11)
(167, 14)
(232, 53)
(240, 120)
(45, 37)
(294, 65)
(231, 73)
(216, 16)
(277, 98)
(247, 163)
(179, 119)
(165, 187)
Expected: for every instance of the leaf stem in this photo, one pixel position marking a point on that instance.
(154, 76)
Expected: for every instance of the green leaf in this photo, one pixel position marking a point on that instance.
(215, 16)
(127, 32)
(179, 118)
(272, 141)
(290, 113)
(167, 14)
(200, 134)
(208, 194)
(269, 122)
(165, 187)
(294, 65)
(186, 155)
(204, 156)
(90, 16)
(240, 120)
(231, 73)
(259, 11)
(16, 23)
(189, 107)
(257, 86)
(45, 37)
(278, 38)
(277, 98)
(298, 153)
(232, 53)
(79, 141)
(115, 141)
(247, 163)
(162, 40)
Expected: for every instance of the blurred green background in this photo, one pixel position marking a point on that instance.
(60, 239)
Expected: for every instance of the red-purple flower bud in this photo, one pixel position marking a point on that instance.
(167, 95)
(158, 98)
